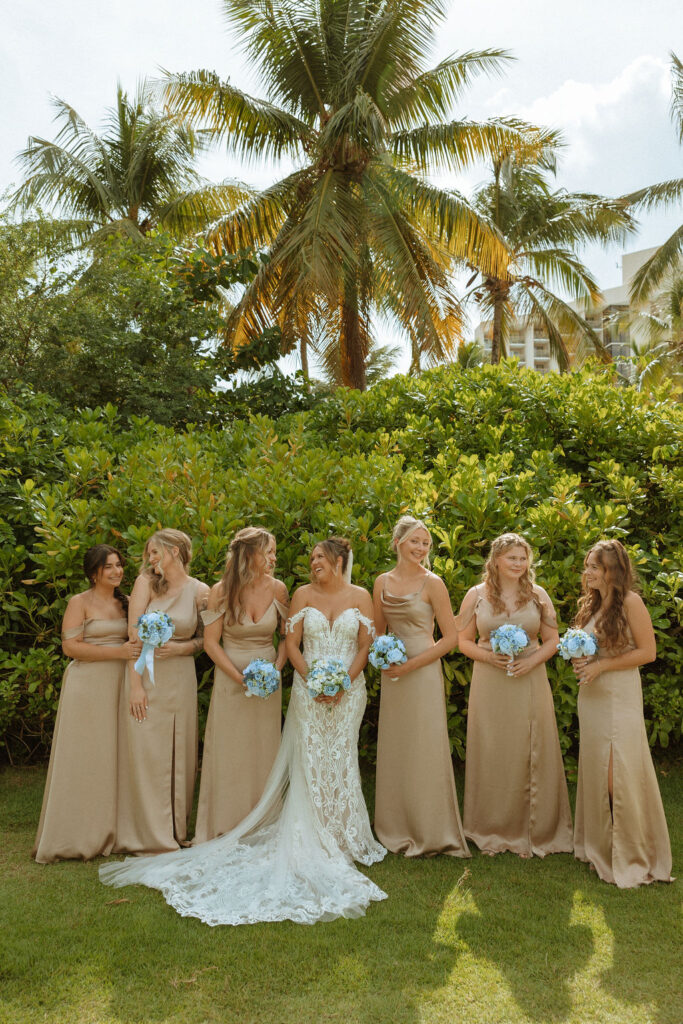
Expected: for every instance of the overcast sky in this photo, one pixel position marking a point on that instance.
(597, 69)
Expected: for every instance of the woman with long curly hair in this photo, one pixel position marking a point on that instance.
(242, 737)
(620, 828)
(158, 759)
(78, 817)
(515, 788)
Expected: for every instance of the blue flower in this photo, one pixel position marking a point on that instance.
(387, 650)
(261, 678)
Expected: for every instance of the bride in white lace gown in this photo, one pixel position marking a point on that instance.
(292, 857)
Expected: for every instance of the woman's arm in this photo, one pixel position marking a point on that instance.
(645, 650)
(467, 636)
(294, 635)
(213, 634)
(365, 607)
(380, 621)
(282, 597)
(78, 649)
(139, 599)
(435, 590)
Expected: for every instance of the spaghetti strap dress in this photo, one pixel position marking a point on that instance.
(242, 733)
(515, 787)
(627, 844)
(416, 804)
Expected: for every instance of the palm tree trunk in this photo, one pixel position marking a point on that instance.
(414, 356)
(303, 355)
(497, 330)
(353, 342)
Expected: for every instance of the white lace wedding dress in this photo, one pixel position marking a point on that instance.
(292, 857)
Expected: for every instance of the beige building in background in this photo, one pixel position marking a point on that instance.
(611, 320)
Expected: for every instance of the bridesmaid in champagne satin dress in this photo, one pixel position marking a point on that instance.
(416, 805)
(158, 721)
(620, 827)
(78, 816)
(515, 788)
(242, 733)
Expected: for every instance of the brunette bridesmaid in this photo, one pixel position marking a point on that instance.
(158, 758)
(620, 828)
(242, 733)
(515, 788)
(78, 817)
(416, 806)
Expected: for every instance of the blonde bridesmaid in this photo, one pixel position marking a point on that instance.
(620, 828)
(78, 817)
(242, 734)
(158, 759)
(416, 805)
(515, 787)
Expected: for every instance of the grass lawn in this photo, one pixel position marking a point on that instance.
(486, 941)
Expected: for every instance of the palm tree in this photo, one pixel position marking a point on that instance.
(136, 176)
(542, 229)
(355, 229)
(667, 258)
(657, 340)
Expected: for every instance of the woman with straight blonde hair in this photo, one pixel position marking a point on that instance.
(242, 736)
(158, 726)
(620, 828)
(416, 804)
(515, 788)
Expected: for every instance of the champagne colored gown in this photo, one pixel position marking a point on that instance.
(78, 817)
(158, 757)
(628, 845)
(416, 804)
(292, 856)
(242, 733)
(515, 788)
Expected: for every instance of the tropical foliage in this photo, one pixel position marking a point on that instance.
(564, 459)
(666, 260)
(542, 228)
(356, 228)
(137, 174)
(138, 327)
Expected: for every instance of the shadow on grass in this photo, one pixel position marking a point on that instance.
(511, 936)
(522, 926)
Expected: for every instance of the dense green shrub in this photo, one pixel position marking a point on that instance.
(563, 459)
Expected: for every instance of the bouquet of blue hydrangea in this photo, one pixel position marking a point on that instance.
(386, 651)
(576, 643)
(261, 678)
(154, 629)
(326, 677)
(509, 639)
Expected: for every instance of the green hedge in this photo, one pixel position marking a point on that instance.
(563, 459)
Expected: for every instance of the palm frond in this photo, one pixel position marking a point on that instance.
(250, 127)
(665, 260)
(666, 193)
(433, 93)
(456, 145)
(447, 217)
(534, 301)
(559, 267)
(257, 222)
(278, 37)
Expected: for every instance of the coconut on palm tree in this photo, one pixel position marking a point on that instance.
(543, 229)
(356, 229)
(666, 260)
(136, 175)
